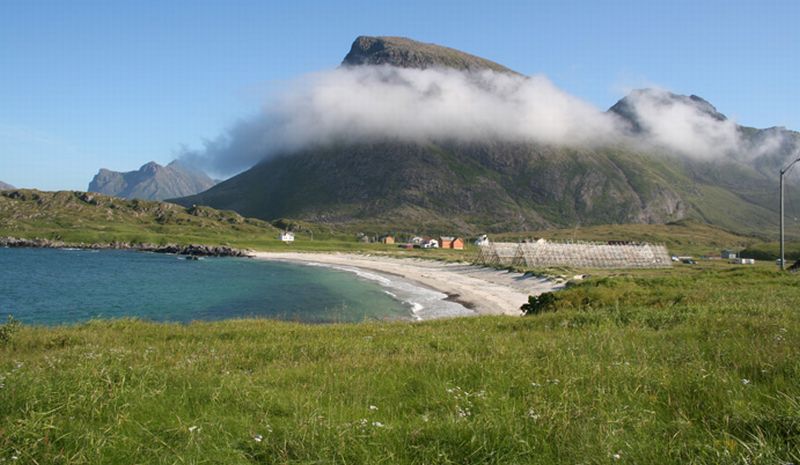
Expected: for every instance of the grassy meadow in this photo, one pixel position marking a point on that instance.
(693, 364)
(690, 365)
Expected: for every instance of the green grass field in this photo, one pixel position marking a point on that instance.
(690, 365)
(694, 364)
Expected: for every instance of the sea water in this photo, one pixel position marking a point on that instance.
(57, 286)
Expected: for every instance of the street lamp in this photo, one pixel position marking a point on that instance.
(783, 171)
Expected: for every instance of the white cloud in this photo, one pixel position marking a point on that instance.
(363, 103)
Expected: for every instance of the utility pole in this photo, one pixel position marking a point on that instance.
(783, 235)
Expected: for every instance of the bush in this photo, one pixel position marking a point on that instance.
(8, 329)
(544, 302)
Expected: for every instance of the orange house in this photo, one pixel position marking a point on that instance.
(446, 242)
(449, 242)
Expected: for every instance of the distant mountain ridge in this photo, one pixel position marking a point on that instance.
(5, 186)
(493, 185)
(152, 182)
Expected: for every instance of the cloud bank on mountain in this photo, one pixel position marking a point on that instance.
(353, 104)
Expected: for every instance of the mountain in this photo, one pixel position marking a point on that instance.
(495, 185)
(4, 186)
(152, 182)
(626, 108)
(407, 53)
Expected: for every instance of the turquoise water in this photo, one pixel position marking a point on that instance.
(55, 286)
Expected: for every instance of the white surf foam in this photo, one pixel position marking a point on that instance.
(424, 303)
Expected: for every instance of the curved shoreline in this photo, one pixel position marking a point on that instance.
(485, 291)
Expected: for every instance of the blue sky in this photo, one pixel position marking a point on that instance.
(91, 84)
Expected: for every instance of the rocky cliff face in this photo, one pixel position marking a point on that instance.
(151, 182)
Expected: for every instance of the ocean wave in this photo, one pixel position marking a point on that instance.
(424, 303)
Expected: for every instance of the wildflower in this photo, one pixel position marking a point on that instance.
(532, 414)
(616, 456)
(193, 428)
(373, 408)
(377, 424)
(258, 438)
(536, 385)
(745, 381)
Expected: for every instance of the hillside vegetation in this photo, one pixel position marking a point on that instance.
(693, 365)
(85, 218)
(78, 217)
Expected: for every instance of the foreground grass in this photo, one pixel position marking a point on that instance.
(690, 366)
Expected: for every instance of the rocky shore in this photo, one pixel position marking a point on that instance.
(190, 249)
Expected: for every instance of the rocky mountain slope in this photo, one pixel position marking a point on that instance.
(493, 185)
(407, 53)
(151, 182)
(4, 186)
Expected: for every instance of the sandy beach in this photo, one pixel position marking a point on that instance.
(485, 291)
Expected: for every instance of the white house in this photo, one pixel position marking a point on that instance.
(416, 240)
(287, 236)
(431, 244)
(482, 240)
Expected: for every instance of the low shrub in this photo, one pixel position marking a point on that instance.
(544, 302)
(8, 329)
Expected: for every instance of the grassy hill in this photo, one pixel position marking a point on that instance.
(691, 365)
(78, 217)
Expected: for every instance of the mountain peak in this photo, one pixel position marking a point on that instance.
(627, 106)
(150, 167)
(407, 53)
(5, 186)
(152, 182)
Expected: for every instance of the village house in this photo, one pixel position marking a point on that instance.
(387, 239)
(450, 242)
(430, 244)
(728, 254)
(286, 236)
(446, 242)
(416, 240)
(482, 240)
